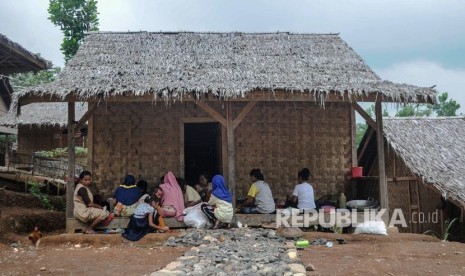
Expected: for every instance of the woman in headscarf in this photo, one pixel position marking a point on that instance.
(172, 200)
(126, 197)
(219, 208)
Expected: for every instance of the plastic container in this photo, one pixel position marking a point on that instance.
(357, 172)
(342, 201)
(301, 243)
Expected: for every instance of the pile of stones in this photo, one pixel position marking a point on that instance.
(237, 251)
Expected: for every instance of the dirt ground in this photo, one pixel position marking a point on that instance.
(107, 254)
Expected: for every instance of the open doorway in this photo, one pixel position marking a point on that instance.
(202, 150)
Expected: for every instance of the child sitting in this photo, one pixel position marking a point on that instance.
(126, 197)
(144, 219)
(85, 209)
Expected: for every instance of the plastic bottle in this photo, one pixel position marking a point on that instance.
(342, 200)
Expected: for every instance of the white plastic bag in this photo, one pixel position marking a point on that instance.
(194, 217)
(371, 227)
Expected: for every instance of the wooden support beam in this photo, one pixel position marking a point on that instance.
(364, 115)
(244, 112)
(369, 120)
(231, 152)
(210, 111)
(365, 145)
(383, 192)
(71, 161)
(86, 116)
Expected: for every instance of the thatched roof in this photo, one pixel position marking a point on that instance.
(16, 59)
(228, 65)
(42, 114)
(433, 149)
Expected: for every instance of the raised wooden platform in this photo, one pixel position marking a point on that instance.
(73, 225)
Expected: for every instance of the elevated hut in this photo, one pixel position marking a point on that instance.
(223, 102)
(425, 169)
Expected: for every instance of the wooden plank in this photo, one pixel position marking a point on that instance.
(274, 96)
(210, 111)
(71, 161)
(364, 115)
(72, 224)
(353, 137)
(383, 192)
(406, 178)
(231, 152)
(244, 112)
(90, 143)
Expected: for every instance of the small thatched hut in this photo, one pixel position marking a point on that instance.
(424, 162)
(223, 102)
(14, 59)
(42, 126)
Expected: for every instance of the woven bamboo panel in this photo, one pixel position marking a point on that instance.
(34, 138)
(398, 193)
(429, 201)
(281, 138)
(278, 137)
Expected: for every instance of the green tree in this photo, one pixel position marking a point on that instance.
(445, 107)
(34, 78)
(74, 17)
(415, 110)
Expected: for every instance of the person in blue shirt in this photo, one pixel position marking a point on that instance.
(126, 197)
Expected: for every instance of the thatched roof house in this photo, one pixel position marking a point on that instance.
(259, 95)
(14, 59)
(228, 65)
(425, 155)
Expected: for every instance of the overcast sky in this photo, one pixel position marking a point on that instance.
(420, 42)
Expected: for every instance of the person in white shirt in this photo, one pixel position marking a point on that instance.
(303, 192)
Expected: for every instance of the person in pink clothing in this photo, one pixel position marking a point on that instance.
(172, 200)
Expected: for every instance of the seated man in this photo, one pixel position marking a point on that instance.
(259, 198)
(191, 197)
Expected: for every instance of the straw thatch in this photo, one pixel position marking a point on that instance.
(228, 65)
(42, 114)
(16, 59)
(433, 149)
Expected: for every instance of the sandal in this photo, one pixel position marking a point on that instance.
(89, 231)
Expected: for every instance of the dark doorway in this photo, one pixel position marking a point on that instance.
(202, 150)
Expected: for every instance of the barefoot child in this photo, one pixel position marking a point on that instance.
(85, 209)
(144, 219)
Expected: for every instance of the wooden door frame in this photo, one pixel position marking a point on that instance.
(199, 120)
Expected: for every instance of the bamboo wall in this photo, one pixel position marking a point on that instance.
(35, 138)
(409, 193)
(143, 138)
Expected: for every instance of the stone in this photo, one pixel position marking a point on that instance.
(210, 239)
(173, 265)
(297, 268)
(292, 255)
(310, 267)
(165, 272)
(290, 232)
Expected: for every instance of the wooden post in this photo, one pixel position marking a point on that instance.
(383, 191)
(353, 136)
(71, 161)
(7, 152)
(231, 152)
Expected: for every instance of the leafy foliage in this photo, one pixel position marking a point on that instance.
(34, 78)
(34, 189)
(74, 17)
(415, 110)
(447, 229)
(446, 107)
(62, 152)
